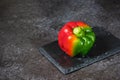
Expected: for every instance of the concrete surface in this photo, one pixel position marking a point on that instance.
(25, 25)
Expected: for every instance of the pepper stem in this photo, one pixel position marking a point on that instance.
(78, 32)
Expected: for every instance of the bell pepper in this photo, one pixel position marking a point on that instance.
(76, 38)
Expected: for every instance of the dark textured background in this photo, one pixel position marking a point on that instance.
(25, 25)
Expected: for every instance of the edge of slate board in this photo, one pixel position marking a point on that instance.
(52, 60)
(66, 71)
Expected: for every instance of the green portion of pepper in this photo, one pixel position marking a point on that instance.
(85, 41)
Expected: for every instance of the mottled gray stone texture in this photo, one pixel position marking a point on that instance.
(25, 25)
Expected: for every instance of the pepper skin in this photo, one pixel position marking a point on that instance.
(76, 38)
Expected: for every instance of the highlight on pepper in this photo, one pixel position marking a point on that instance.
(76, 38)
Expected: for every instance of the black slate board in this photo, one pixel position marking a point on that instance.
(106, 45)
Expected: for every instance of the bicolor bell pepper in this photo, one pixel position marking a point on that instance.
(76, 38)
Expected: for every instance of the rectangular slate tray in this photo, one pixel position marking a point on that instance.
(106, 45)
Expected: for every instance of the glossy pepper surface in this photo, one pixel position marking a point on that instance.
(76, 38)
